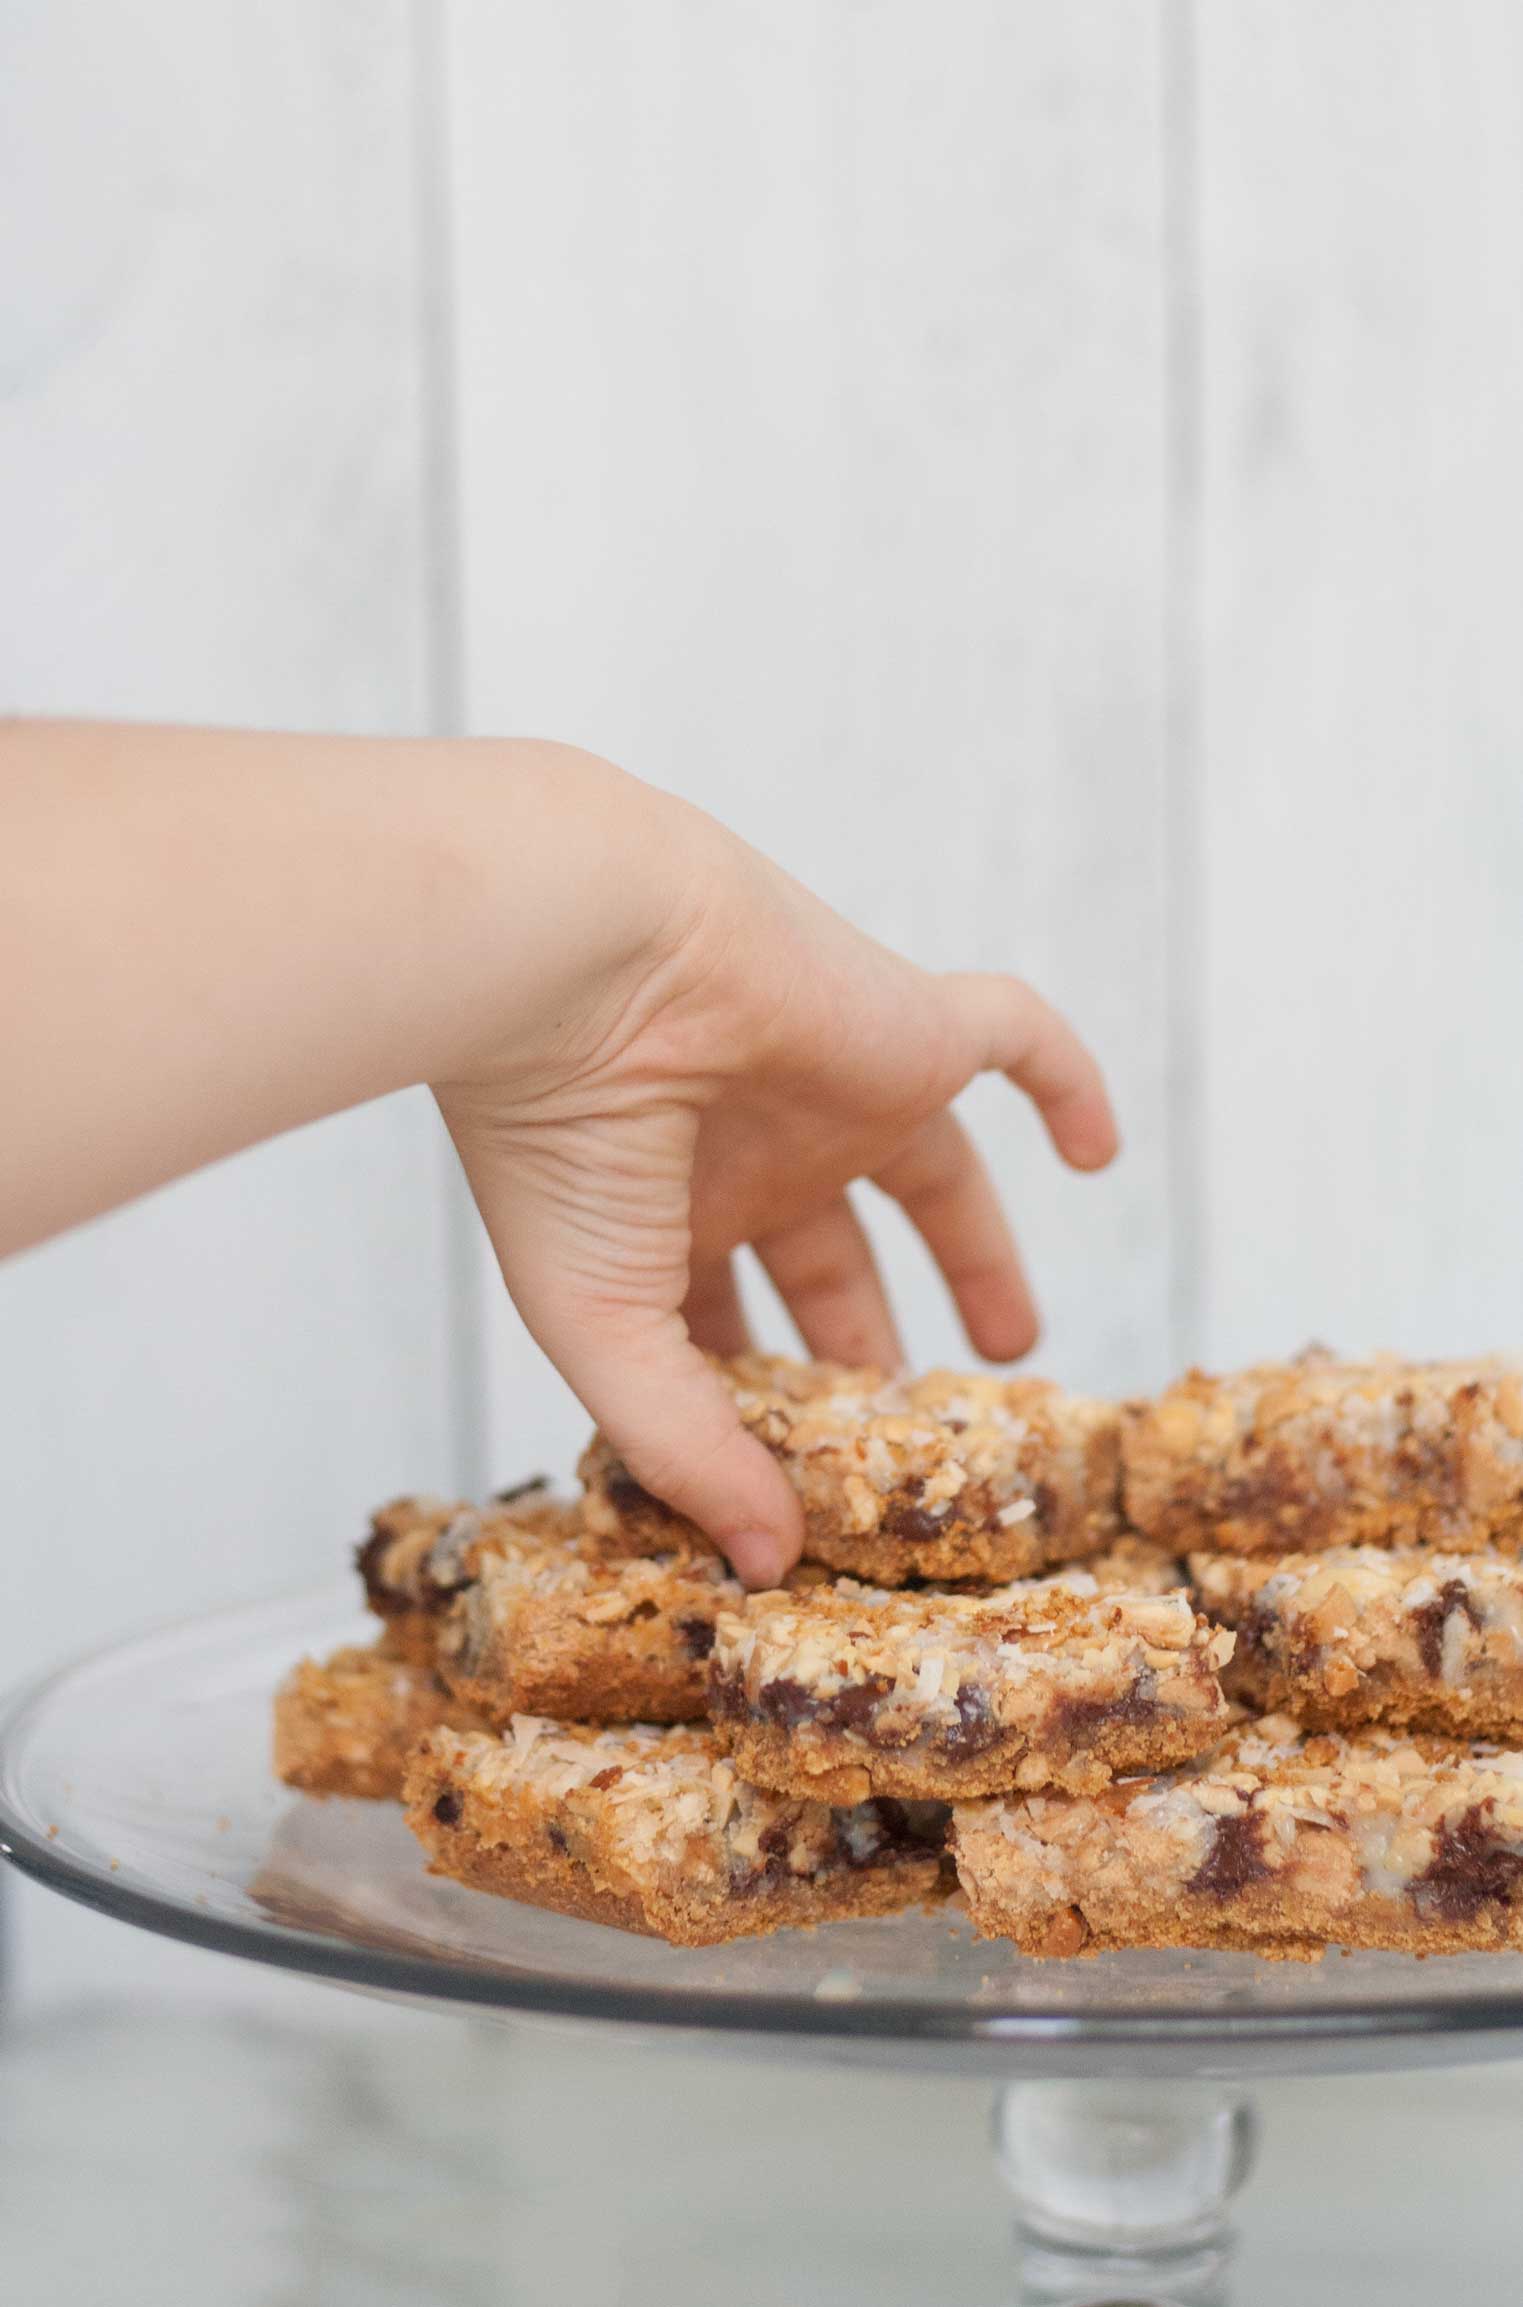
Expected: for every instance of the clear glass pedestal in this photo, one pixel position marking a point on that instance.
(139, 1783)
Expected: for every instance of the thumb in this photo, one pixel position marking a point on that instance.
(595, 1256)
(672, 1421)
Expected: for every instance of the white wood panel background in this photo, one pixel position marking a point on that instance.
(812, 448)
(1360, 180)
(211, 460)
(1050, 475)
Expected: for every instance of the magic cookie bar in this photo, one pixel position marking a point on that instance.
(846, 1694)
(651, 1830)
(563, 1629)
(1374, 1634)
(347, 1725)
(941, 1477)
(422, 1551)
(1275, 1843)
(1293, 1457)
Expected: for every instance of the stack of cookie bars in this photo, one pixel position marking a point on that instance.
(1241, 1666)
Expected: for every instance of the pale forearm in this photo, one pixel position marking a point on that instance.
(208, 937)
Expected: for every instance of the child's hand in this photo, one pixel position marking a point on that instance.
(650, 1046)
(722, 1086)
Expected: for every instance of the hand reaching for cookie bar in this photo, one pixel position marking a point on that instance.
(650, 1047)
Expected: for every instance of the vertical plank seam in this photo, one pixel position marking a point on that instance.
(1184, 957)
(444, 681)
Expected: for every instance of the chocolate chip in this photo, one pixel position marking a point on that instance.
(907, 1519)
(624, 1493)
(784, 1701)
(1077, 1719)
(976, 1726)
(447, 1809)
(1470, 1868)
(697, 1635)
(727, 1695)
(914, 1525)
(1235, 1857)
(556, 1836)
(1430, 1619)
(855, 1704)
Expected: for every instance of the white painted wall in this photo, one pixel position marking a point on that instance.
(1048, 474)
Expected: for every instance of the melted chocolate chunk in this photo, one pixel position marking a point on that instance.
(906, 1518)
(853, 1707)
(976, 1726)
(1235, 1857)
(625, 1494)
(556, 1836)
(1470, 1868)
(783, 1701)
(1432, 1617)
(697, 1636)
(447, 1808)
(1077, 1719)
(727, 1696)
(1256, 1631)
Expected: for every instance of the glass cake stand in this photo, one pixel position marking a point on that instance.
(138, 1781)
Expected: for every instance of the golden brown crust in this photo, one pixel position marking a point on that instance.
(649, 1830)
(345, 1726)
(1296, 1457)
(945, 1477)
(1277, 1843)
(1402, 1635)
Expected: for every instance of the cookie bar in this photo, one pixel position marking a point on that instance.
(651, 1830)
(942, 1477)
(848, 1694)
(1278, 1844)
(563, 1629)
(1374, 1634)
(422, 1551)
(346, 1725)
(1293, 1457)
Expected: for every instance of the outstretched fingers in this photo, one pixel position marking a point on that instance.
(1013, 1031)
(940, 1182)
(824, 1270)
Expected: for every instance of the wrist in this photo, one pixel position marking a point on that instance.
(555, 886)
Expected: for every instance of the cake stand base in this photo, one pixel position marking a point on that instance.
(1122, 2189)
